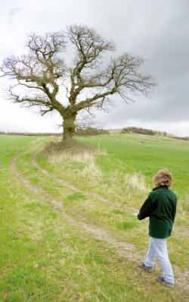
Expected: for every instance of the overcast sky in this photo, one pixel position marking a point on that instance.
(158, 31)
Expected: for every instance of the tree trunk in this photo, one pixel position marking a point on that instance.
(68, 127)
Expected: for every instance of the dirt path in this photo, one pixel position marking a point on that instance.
(122, 248)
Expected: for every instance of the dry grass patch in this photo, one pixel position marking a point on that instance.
(136, 181)
(57, 152)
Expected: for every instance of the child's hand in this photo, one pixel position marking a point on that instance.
(135, 214)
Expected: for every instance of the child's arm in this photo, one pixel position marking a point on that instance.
(174, 210)
(147, 208)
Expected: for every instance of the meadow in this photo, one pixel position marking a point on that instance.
(68, 227)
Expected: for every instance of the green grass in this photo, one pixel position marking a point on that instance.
(45, 258)
(145, 154)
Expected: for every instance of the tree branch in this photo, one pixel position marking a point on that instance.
(89, 102)
(89, 49)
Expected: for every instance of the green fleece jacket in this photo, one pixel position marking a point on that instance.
(160, 207)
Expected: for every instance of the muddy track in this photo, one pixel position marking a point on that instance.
(123, 249)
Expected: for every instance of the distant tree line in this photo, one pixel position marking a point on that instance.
(98, 131)
(29, 134)
(91, 131)
(79, 131)
(142, 131)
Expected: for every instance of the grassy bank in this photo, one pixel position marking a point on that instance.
(68, 228)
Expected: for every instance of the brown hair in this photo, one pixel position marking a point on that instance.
(163, 177)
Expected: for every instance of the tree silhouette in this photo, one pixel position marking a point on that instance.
(42, 76)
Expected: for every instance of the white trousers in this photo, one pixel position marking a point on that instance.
(158, 249)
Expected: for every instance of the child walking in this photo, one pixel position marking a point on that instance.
(160, 207)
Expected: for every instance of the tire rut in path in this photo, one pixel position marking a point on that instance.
(122, 248)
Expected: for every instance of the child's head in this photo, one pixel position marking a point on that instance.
(163, 177)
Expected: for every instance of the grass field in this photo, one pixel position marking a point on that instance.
(68, 227)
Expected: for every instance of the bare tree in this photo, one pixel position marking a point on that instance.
(88, 80)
